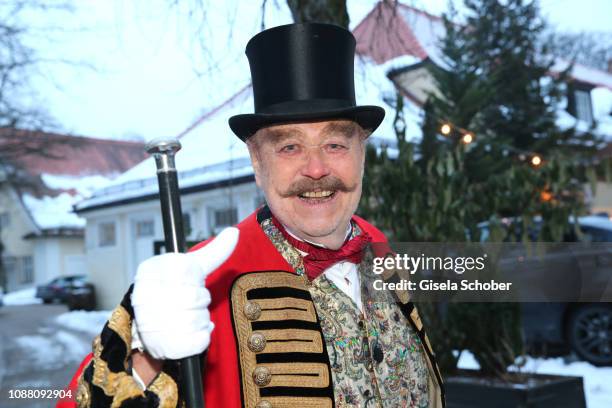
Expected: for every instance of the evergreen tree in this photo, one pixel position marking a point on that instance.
(495, 87)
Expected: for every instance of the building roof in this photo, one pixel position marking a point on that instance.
(60, 154)
(393, 29)
(52, 171)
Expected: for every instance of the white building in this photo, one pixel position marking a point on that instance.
(41, 177)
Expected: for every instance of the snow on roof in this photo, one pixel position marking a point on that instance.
(210, 152)
(585, 74)
(53, 212)
(373, 87)
(78, 185)
(54, 171)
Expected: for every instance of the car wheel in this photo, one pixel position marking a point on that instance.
(47, 301)
(590, 333)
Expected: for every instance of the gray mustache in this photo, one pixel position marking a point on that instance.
(306, 185)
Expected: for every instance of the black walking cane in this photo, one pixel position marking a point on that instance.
(172, 216)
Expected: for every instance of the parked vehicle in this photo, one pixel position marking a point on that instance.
(584, 328)
(57, 290)
(81, 296)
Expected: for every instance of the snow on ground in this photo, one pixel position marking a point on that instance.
(22, 297)
(55, 350)
(80, 320)
(43, 350)
(69, 341)
(597, 380)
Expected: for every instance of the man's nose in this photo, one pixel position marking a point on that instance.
(315, 166)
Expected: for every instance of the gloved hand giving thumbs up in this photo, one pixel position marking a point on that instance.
(171, 302)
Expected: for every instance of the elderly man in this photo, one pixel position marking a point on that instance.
(294, 323)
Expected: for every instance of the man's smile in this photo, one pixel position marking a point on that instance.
(316, 194)
(317, 197)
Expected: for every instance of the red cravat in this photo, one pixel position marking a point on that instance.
(318, 259)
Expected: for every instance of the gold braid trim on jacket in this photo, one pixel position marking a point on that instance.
(107, 381)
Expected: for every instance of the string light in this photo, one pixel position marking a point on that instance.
(467, 138)
(546, 196)
(446, 129)
(536, 160)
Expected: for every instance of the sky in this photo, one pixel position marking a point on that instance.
(136, 69)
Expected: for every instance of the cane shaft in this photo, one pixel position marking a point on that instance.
(172, 216)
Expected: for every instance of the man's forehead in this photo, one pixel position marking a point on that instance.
(323, 128)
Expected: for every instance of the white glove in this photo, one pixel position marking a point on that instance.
(171, 302)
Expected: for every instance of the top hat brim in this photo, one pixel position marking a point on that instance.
(369, 117)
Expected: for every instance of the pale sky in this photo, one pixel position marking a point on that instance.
(145, 55)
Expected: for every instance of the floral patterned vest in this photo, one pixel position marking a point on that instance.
(376, 357)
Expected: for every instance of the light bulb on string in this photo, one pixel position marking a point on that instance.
(536, 160)
(546, 196)
(467, 138)
(445, 129)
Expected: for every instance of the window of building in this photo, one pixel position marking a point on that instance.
(27, 270)
(10, 264)
(145, 228)
(584, 110)
(223, 217)
(106, 234)
(579, 103)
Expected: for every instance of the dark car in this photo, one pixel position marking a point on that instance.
(584, 328)
(81, 296)
(58, 289)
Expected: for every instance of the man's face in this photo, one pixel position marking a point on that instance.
(311, 175)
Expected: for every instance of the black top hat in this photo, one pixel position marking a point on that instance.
(303, 72)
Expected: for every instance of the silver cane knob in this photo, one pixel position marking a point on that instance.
(163, 150)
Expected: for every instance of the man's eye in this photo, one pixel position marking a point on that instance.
(336, 147)
(291, 148)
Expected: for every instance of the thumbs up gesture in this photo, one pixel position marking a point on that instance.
(171, 302)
